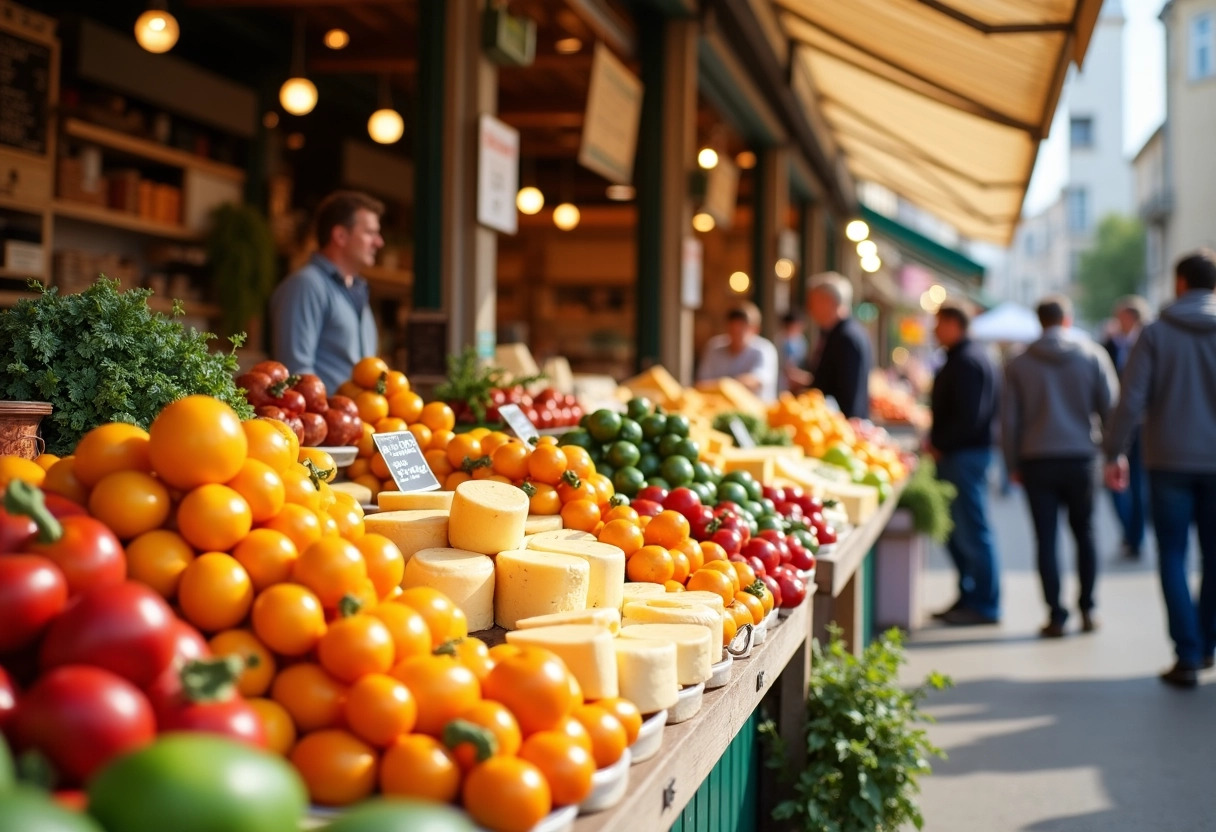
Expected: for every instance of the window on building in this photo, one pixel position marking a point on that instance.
(1078, 210)
(1081, 132)
(1201, 48)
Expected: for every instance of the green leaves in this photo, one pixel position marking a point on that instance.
(103, 356)
(864, 753)
(929, 498)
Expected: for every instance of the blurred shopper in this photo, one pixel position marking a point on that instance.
(965, 399)
(1131, 505)
(322, 317)
(1170, 383)
(1057, 396)
(791, 347)
(839, 365)
(742, 354)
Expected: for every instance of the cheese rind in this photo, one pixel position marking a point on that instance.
(412, 531)
(699, 596)
(662, 611)
(646, 671)
(465, 577)
(529, 583)
(488, 517)
(608, 619)
(695, 650)
(542, 538)
(607, 564)
(586, 649)
(640, 590)
(542, 524)
(415, 501)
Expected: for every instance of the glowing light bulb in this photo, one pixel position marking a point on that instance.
(703, 222)
(566, 216)
(856, 231)
(385, 126)
(784, 268)
(870, 264)
(707, 158)
(298, 96)
(740, 282)
(529, 200)
(337, 39)
(156, 30)
(867, 248)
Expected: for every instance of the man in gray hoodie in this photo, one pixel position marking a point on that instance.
(1170, 383)
(1058, 394)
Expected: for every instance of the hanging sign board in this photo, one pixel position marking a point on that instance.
(405, 461)
(610, 124)
(721, 191)
(497, 174)
(25, 89)
(691, 259)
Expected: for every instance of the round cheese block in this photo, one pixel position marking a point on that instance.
(415, 500)
(529, 583)
(488, 517)
(412, 531)
(465, 577)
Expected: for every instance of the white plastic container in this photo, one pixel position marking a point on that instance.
(608, 786)
(650, 737)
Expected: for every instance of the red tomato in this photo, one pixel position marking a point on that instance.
(201, 696)
(127, 629)
(793, 588)
(653, 493)
(729, 539)
(685, 501)
(646, 508)
(313, 389)
(80, 718)
(275, 370)
(8, 697)
(88, 553)
(256, 386)
(774, 587)
(32, 592)
(764, 550)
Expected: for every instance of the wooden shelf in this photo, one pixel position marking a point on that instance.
(10, 298)
(20, 205)
(119, 219)
(152, 151)
(21, 274)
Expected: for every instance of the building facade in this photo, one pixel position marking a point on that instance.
(1154, 200)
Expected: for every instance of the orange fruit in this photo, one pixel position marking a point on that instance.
(652, 564)
(438, 416)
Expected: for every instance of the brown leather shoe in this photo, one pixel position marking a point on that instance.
(1052, 629)
(1089, 623)
(1181, 676)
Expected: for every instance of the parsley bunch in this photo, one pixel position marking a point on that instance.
(103, 356)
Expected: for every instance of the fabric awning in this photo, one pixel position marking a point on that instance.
(942, 101)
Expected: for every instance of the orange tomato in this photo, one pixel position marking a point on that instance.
(331, 568)
(502, 725)
(349, 519)
(406, 406)
(572, 728)
(268, 444)
(650, 563)
(460, 625)
(442, 687)
(369, 372)
(603, 485)
(511, 459)
(367, 444)
(105, 449)
(158, 559)
(215, 592)
(280, 731)
(299, 488)
(312, 697)
(130, 503)
(214, 518)
(544, 499)
(438, 463)
(395, 382)
(727, 568)
(623, 534)
(533, 683)
(745, 574)
(463, 449)
(407, 629)
(507, 794)
(712, 551)
(681, 566)
(566, 765)
(435, 608)
(572, 487)
(288, 619)
(578, 461)
(608, 736)
(61, 479)
(729, 629)
(45, 461)
(753, 605)
(621, 513)
(349, 389)
(440, 439)
(455, 479)
(741, 613)
(583, 515)
(492, 441)
(473, 654)
(355, 646)
(379, 709)
(338, 767)
(438, 416)
(197, 441)
(384, 561)
(301, 525)
(626, 713)
(421, 767)
(321, 460)
(372, 406)
(711, 580)
(546, 464)
(259, 669)
(261, 487)
(674, 586)
(767, 600)
(667, 529)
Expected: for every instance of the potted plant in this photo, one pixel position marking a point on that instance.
(240, 256)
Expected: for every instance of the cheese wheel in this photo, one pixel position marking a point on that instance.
(586, 649)
(415, 501)
(559, 534)
(646, 673)
(607, 564)
(641, 590)
(488, 517)
(361, 493)
(662, 611)
(542, 523)
(412, 531)
(699, 596)
(465, 577)
(529, 583)
(608, 619)
(695, 650)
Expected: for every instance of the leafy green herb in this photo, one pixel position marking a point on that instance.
(758, 428)
(103, 356)
(929, 499)
(472, 382)
(240, 256)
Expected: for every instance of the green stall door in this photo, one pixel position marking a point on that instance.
(729, 799)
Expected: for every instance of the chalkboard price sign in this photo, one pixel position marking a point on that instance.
(405, 461)
(25, 82)
(518, 422)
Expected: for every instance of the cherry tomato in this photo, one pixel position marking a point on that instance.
(276, 722)
(626, 713)
(332, 568)
(406, 627)
(355, 646)
(379, 709)
(338, 767)
(116, 446)
(214, 518)
(312, 697)
(158, 559)
(420, 766)
(288, 619)
(87, 552)
(442, 687)
(384, 561)
(436, 608)
(197, 440)
(566, 765)
(267, 557)
(259, 665)
(534, 684)
(130, 503)
(261, 486)
(608, 736)
(215, 592)
(33, 592)
(201, 696)
(507, 794)
(498, 720)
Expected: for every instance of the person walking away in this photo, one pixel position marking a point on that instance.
(1131, 505)
(840, 364)
(791, 347)
(964, 402)
(742, 354)
(1057, 397)
(322, 318)
(1170, 383)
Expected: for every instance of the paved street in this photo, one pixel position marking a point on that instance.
(1075, 735)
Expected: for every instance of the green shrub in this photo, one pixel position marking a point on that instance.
(929, 498)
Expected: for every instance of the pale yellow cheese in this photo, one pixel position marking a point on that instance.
(699, 596)
(415, 501)
(695, 648)
(361, 493)
(586, 649)
(636, 591)
(541, 538)
(465, 577)
(488, 517)
(646, 672)
(607, 564)
(412, 531)
(608, 619)
(663, 611)
(541, 523)
(529, 583)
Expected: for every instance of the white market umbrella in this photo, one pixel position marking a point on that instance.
(1007, 323)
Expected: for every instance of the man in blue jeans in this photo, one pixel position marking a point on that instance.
(1131, 504)
(965, 400)
(1170, 382)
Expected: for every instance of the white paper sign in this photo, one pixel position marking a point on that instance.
(690, 273)
(610, 125)
(721, 191)
(497, 174)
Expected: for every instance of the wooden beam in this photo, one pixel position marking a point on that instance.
(995, 28)
(608, 26)
(289, 4)
(403, 65)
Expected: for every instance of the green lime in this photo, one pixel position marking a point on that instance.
(730, 491)
(702, 472)
(677, 424)
(669, 445)
(631, 431)
(658, 482)
(605, 469)
(741, 477)
(638, 407)
(769, 506)
(754, 508)
(713, 493)
(604, 425)
(703, 490)
(677, 470)
(688, 449)
(646, 447)
(753, 527)
(754, 489)
(623, 455)
(770, 522)
(653, 426)
(628, 481)
(649, 464)
(579, 437)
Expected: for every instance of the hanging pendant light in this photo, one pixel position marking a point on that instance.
(156, 30)
(298, 95)
(385, 125)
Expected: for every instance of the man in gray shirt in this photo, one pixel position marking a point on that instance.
(322, 319)
(742, 354)
(1058, 394)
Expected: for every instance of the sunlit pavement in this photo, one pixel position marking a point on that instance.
(1070, 735)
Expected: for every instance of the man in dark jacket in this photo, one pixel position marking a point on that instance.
(965, 400)
(1170, 382)
(1057, 396)
(840, 363)
(1131, 505)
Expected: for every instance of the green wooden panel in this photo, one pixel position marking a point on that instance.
(729, 798)
(428, 156)
(869, 580)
